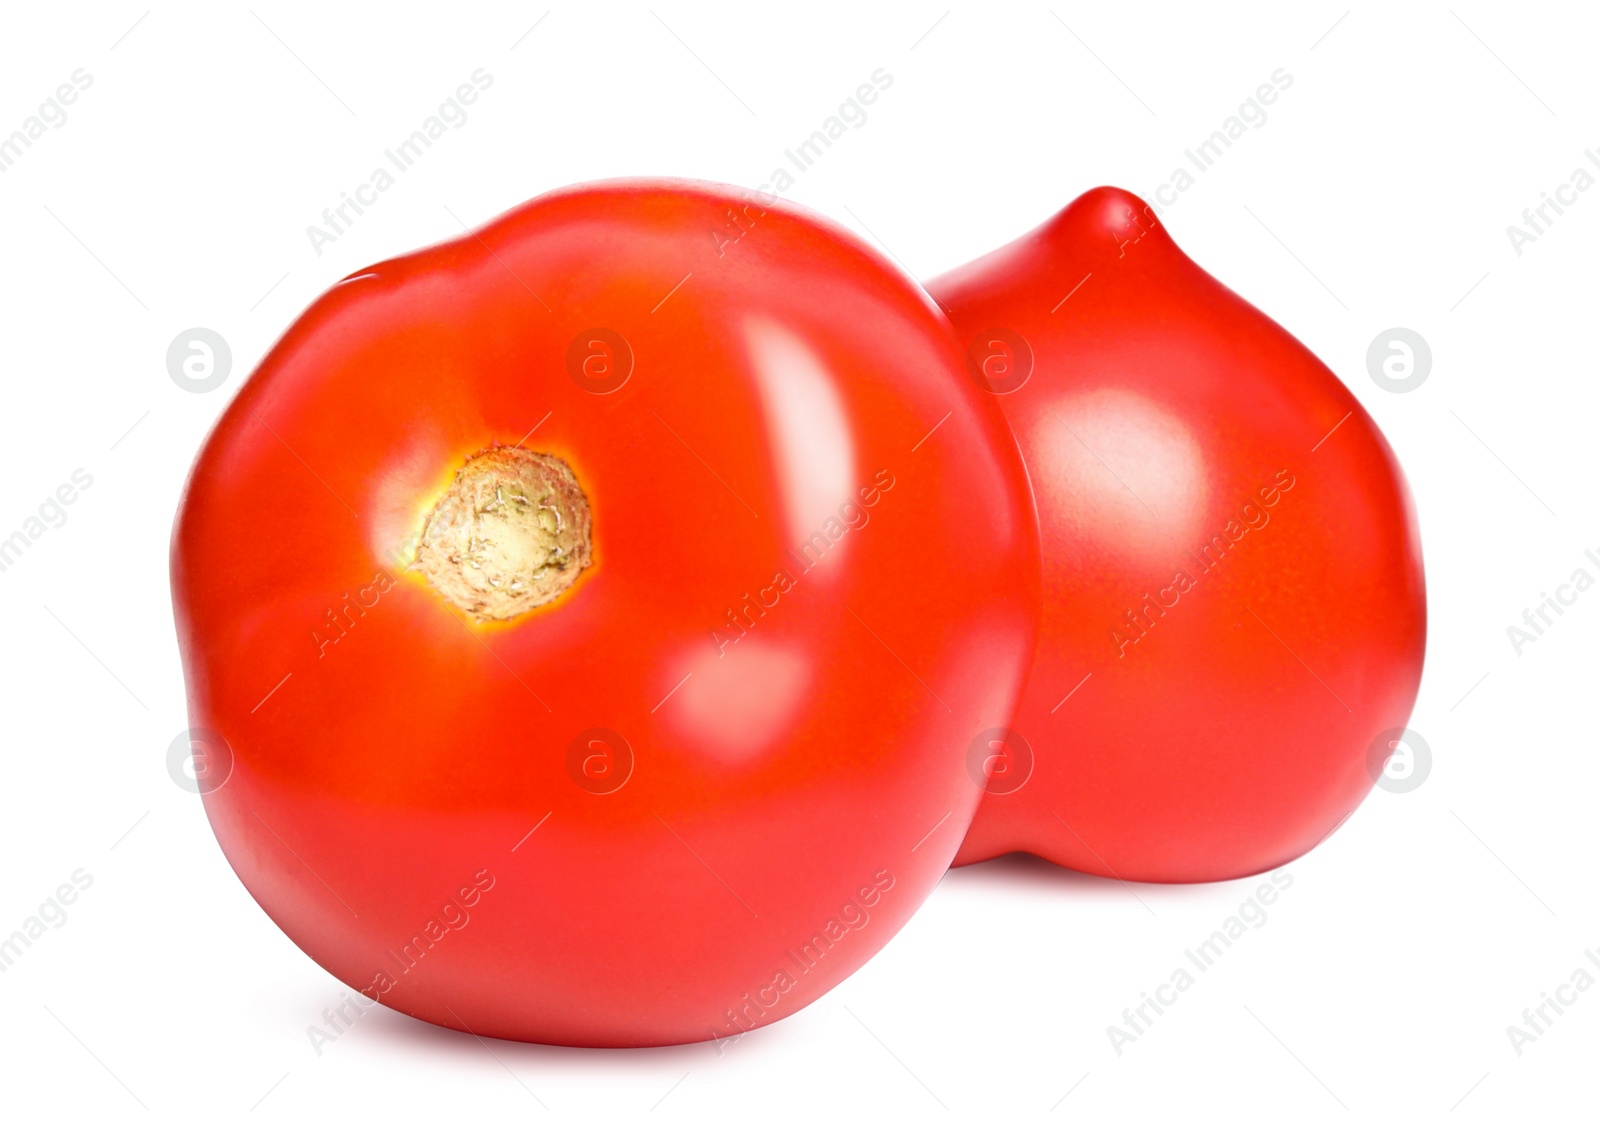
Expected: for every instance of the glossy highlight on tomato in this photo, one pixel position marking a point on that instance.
(597, 610)
(1233, 614)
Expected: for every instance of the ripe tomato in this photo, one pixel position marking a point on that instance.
(598, 609)
(1233, 617)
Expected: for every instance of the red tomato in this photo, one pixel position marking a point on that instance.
(598, 609)
(1233, 617)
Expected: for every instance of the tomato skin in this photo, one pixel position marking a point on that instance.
(802, 775)
(1221, 725)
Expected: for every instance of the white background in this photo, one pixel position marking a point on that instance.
(1377, 194)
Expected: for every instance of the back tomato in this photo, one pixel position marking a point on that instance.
(1234, 618)
(726, 757)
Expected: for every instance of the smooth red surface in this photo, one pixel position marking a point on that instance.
(1228, 730)
(806, 785)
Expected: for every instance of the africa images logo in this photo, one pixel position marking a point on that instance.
(1536, 621)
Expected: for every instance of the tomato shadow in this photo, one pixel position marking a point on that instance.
(406, 1034)
(1025, 871)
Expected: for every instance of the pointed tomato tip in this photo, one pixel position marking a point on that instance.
(1110, 213)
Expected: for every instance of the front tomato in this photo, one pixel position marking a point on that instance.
(597, 611)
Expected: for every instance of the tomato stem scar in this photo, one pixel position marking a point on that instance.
(512, 532)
